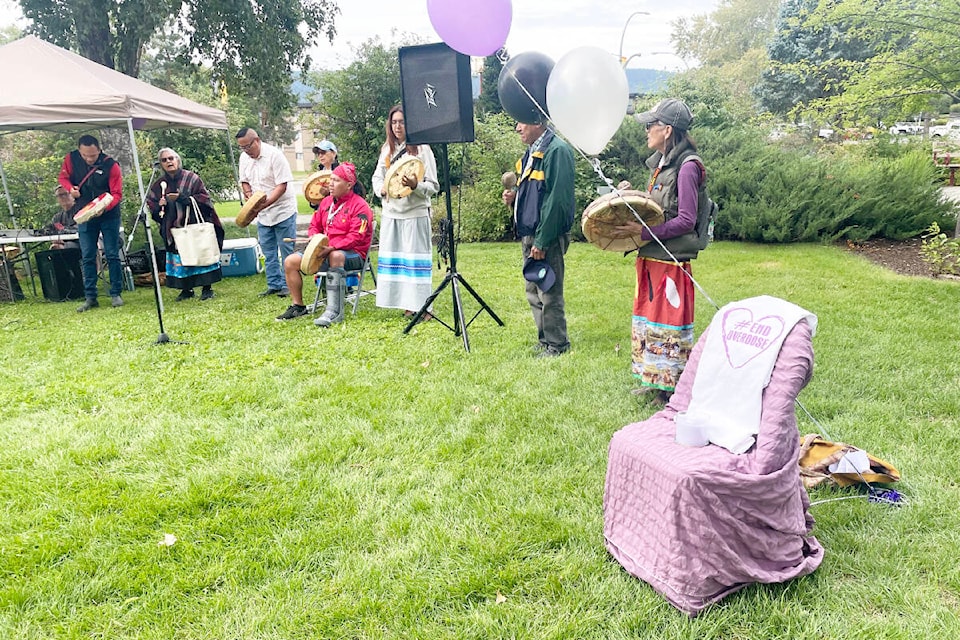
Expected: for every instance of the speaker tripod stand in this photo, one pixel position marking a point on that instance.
(453, 277)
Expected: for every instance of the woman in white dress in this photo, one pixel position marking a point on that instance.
(405, 258)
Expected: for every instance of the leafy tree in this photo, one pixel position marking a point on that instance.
(252, 46)
(353, 104)
(913, 64)
(810, 59)
(726, 35)
(9, 33)
(730, 44)
(204, 151)
(489, 100)
(482, 215)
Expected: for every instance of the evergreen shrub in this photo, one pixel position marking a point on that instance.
(769, 193)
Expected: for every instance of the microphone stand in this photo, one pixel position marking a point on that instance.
(140, 211)
(163, 338)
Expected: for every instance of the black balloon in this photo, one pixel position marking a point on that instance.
(529, 70)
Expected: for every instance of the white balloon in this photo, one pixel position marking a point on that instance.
(587, 95)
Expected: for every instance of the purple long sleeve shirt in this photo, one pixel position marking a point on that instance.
(689, 180)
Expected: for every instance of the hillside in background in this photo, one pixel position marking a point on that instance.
(640, 81)
(645, 81)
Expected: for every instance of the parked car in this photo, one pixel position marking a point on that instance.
(949, 130)
(783, 130)
(906, 129)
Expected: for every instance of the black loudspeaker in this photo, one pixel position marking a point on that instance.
(437, 94)
(60, 274)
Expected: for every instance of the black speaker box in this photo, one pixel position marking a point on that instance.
(437, 94)
(60, 274)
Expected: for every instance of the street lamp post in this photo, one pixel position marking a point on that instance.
(624, 33)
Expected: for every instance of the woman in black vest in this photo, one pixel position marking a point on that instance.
(662, 333)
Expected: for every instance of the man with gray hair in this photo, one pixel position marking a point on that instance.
(543, 204)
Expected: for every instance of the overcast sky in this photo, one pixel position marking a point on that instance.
(553, 27)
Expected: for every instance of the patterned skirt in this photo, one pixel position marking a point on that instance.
(404, 263)
(662, 336)
(181, 277)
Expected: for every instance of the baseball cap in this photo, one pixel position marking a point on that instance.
(668, 111)
(326, 145)
(540, 273)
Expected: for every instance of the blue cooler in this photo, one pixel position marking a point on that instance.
(241, 257)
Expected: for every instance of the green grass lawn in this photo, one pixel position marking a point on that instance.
(230, 208)
(357, 482)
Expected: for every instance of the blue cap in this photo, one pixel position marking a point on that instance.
(326, 145)
(540, 273)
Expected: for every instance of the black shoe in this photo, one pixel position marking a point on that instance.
(270, 292)
(283, 293)
(293, 311)
(186, 294)
(206, 294)
(551, 352)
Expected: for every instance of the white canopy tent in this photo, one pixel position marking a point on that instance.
(47, 87)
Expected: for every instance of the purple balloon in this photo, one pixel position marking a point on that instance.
(473, 27)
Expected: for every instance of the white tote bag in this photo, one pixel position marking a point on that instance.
(197, 243)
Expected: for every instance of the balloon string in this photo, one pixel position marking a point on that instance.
(539, 107)
(595, 163)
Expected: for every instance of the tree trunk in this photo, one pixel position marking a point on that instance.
(94, 40)
(116, 144)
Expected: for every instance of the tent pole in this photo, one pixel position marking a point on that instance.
(233, 165)
(6, 192)
(163, 338)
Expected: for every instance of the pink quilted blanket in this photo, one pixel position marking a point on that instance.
(698, 523)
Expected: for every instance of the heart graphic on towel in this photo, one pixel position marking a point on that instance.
(745, 338)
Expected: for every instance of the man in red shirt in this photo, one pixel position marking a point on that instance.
(347, 221)
(86, 174)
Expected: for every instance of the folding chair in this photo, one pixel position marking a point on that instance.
(699, 523)
(103, 271)
(320, 279)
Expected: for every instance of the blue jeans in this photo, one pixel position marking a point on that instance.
(275, 250)
(107, 224)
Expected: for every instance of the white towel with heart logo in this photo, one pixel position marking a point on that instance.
(735, 367)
